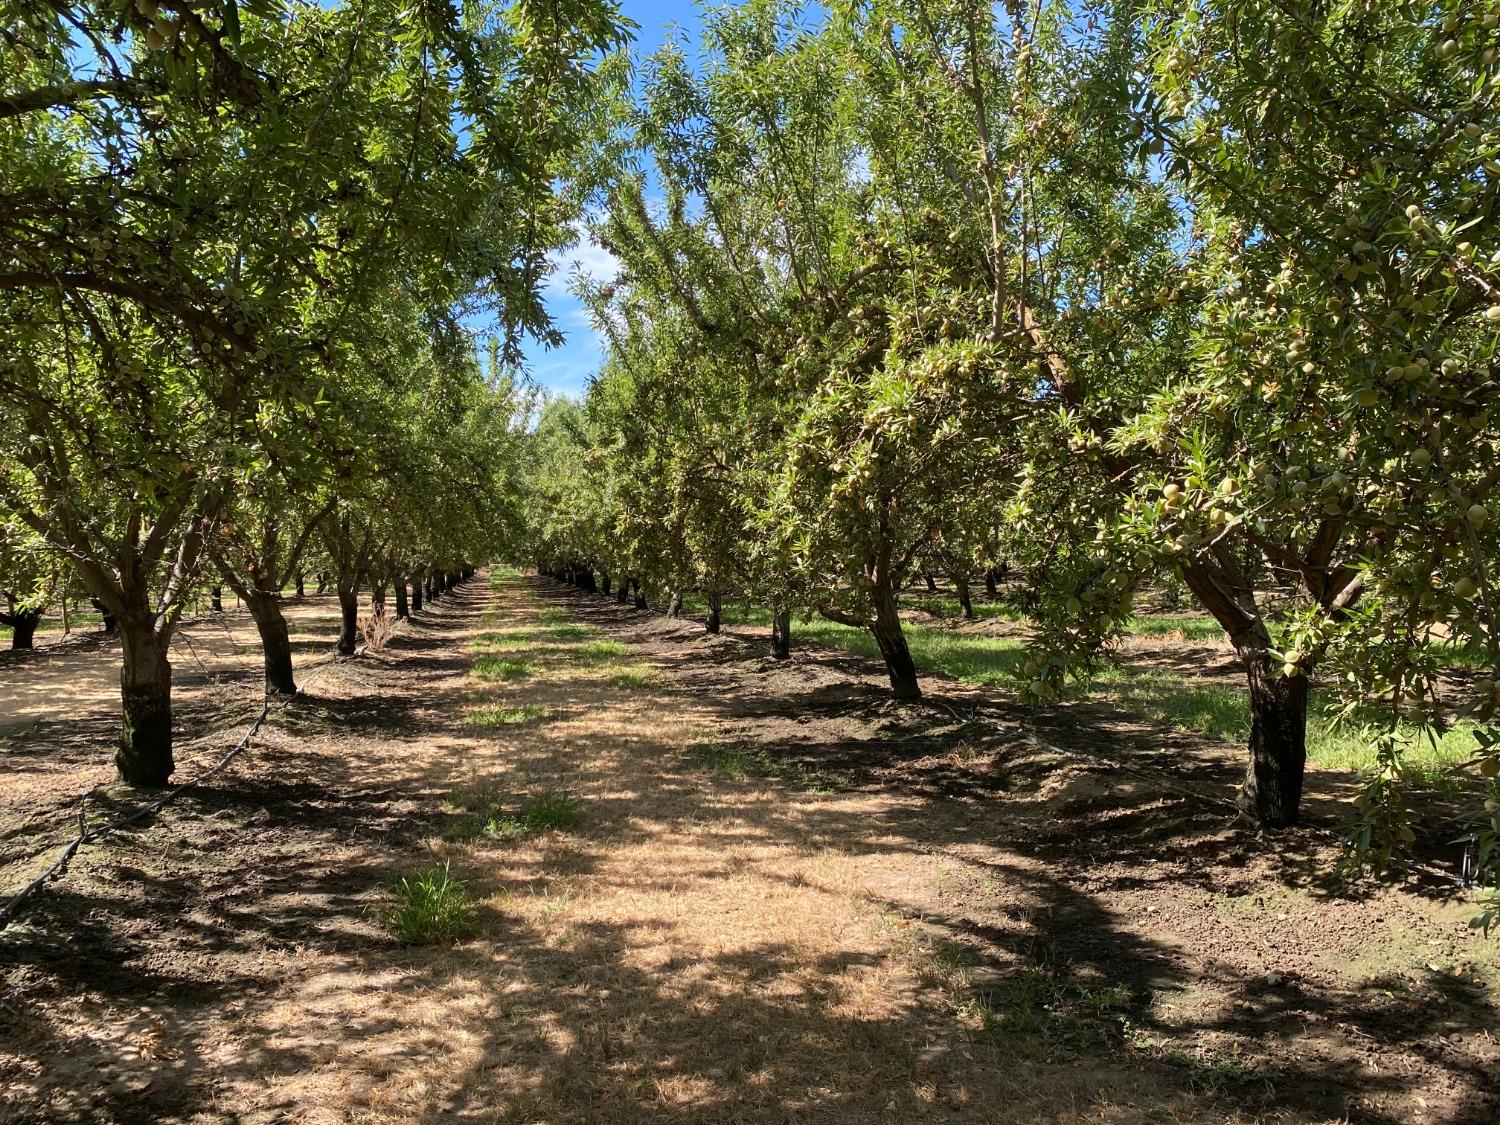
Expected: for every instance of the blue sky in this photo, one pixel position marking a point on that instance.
(566, 369)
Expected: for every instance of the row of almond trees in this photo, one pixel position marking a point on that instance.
(1137, 290)
(243, 246)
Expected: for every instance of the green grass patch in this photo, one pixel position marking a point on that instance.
(1190, 628)
(636, 677)
(500, 668)
(499, 715)
(429, 907)
(551, 812)
(1222, 712)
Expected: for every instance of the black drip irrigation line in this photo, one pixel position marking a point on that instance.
(1017, 732)
(59, 866)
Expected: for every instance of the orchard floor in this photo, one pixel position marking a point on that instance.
(786, 899)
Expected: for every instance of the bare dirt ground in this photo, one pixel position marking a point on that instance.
(787, 899)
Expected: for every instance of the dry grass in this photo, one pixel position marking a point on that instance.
(702, 946)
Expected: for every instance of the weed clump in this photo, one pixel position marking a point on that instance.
(430, 907)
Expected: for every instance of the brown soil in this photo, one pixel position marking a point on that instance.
(788, 899)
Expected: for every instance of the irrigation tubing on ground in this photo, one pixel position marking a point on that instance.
(59, 866)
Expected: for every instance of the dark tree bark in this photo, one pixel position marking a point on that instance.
(1272, 791)
(931, 585)
(622, 592)
(674, 607)
(348, 617)
(322, 581)
(892, 642)
(402, 608)
(275, 640)
(301, 585)
(604, 583)
(107, 623)
(640, 594)
(781, 633)
(377, 597)
(23, 623)
(144, 758)
(964, 601)
(991, 588)
(416, 593)
(715, 612)
(216, 599)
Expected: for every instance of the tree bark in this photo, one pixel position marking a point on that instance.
(931, 585)
(301, 585)
(1272, 791)
(144, 758)
(965, 602)
(23, 623)
(991, 589)
(107, 620)
(402, 608)
(892, 641)
(416, 593)
(275, 641)
(216, 599)
(781, 633)
(640, 594)
(322, 581)
(715, 612)
(348, 618)
(604, 583)
(674, 607)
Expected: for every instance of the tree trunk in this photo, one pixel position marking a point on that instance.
(301, 585)
(144, 758)
(604, 583)
(640, 594)
(622, 591)
(715, 612)
(892, 642)
(991, 589)
(964, 601)
(416, 593)
(322, 581)
(107, 619)
(275, 642)
(348, 618)
(377, 597)
(1272, 791)
(781, 633)
(674, 607)
(931, 585)
(402, 609)
(216, 599)
(23, 623)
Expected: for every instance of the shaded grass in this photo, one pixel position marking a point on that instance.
(499, 715)
(551, 812)
(635, 677)
(1222, 712)
(498, 668)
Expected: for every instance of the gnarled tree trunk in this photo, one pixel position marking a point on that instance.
(965, 602)
(23, 623)
(892, 642)
(275, 640)
(144, 757)
(781, 633)
(348, 617)
(1272, 790)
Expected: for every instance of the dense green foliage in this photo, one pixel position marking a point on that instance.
(240, 246)
(1123, 293)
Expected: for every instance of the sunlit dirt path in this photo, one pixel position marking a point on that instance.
(718, 934)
